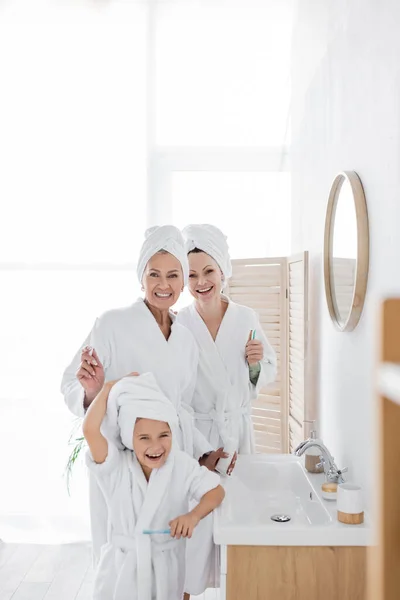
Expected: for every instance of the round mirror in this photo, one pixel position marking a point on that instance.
(346, 250)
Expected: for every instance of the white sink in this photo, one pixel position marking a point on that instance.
(266, 485)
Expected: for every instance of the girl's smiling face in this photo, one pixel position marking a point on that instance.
(152, 442)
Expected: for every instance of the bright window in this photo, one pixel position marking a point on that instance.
(248, 207)
(73, 210)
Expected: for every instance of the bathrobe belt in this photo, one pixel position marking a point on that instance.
(127, 543)
(220, 419)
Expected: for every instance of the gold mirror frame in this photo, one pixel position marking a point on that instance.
(362, 266)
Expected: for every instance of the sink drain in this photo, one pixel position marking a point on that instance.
(280, 518)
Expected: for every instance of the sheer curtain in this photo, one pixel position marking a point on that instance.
(114, 116)
(73, 193)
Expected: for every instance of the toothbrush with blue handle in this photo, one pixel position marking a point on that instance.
(156, 531)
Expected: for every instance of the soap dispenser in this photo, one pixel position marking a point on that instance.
(312, 461)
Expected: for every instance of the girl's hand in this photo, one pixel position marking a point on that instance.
(183, 526)
(90, 373)
(254, 351)
(212, 459)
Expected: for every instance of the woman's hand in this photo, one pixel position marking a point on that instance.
(211, 460)
(184, 525)
(90, 373)
(254, 351)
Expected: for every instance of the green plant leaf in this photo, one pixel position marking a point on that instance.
(77, 440)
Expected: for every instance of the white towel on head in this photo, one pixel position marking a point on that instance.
(166, 237)
(212, 241)
(133, 398)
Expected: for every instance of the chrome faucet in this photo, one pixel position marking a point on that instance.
(332, 473)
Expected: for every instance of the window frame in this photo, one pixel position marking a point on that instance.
(164, 161)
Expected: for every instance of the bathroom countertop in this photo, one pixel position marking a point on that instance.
(264, 485)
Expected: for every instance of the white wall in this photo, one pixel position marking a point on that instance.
(346, 108)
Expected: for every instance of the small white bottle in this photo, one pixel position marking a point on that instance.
(312, 460)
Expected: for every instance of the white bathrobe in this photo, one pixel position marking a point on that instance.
(135, 566)
(126, 340)
(222, 403)
(223, 395)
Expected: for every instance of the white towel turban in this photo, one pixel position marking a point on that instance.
(212, 241)
(166, 237)
(133, 398)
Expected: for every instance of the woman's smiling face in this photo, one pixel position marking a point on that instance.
(163, 280)
(205, 277)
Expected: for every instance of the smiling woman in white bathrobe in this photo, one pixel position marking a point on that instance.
(232, 367)
(143, 337)
(148, 483)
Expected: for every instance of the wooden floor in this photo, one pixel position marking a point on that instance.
(40, 572)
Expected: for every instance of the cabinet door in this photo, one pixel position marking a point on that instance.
(384, 559)
(296, 573)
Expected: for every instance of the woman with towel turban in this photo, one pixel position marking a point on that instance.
(232, 367)
(147, 483)
(143, 337)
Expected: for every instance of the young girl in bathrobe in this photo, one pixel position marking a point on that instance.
(232, 369)
(147, 483)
